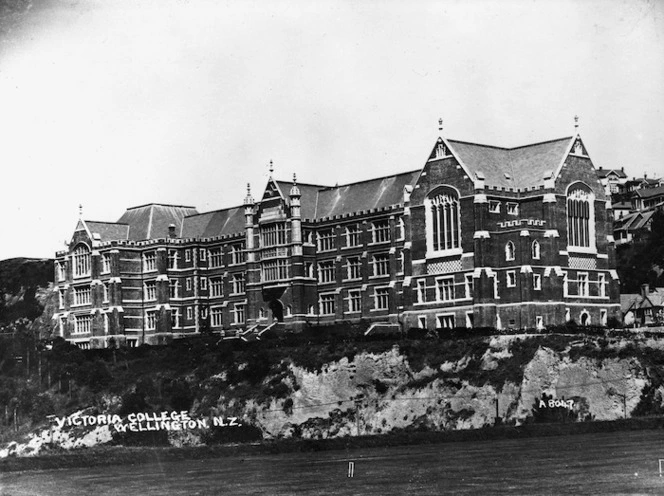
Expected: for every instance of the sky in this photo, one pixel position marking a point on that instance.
(114, 104)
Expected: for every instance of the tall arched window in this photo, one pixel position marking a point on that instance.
(509, 251)
(580, 217)
(81, 261)
(443, 226)
(536, 250)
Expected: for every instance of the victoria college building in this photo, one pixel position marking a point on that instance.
(479, 236)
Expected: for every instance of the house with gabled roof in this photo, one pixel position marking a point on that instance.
(613, 180)
(478, 236)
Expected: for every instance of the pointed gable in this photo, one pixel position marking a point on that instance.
(517, 168)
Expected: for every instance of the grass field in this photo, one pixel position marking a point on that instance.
(596, 464)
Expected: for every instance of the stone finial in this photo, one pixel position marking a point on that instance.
(295, 191)
(440, 125)
(271, 168)
(576, 123)
(80, 210)
(248, 200)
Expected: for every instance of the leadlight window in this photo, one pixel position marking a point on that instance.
(238, 283)
(82, 295)
(202, 253)
(81, 261)
(238, 254)
(238, 313)
(60, 267)
(468, 286)
(326, 304)
(382, 298)
(443, 225)
(401, 229)
(216, 286)
(204, 283)
(172, 259)
(216, 317)
(175, 318)
(494, 206)
(354, 268)
(82, 324)
(275, 270)
(353, 236)
(381, 265)
(273, 235)
(580, 218)
(326, 272)
(445, 289)
(326, 240)
(105, 293)
(380, 231)
(583, 284)
(601, 282)
(216, 257)
(421, 291)
(150, 290)
(150, 261)
(354, 300)
(173, 287)
(513, 208)
(151, 319)
(106, 263)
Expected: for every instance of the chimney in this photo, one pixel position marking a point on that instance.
(645, 290)
(171, 231)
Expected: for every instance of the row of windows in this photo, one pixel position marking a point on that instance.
(380, 233)
(352, 269)
(216, 316)
(353, 301)
(445, 289)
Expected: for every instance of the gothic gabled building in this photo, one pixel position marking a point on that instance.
(480, 236)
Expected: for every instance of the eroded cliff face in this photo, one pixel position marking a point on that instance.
(375, 393)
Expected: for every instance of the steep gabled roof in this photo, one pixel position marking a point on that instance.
(602, 173)
(364, 195)
(517, 168)
(649, 192)
(309, 197)
(107, 231)
(151, 221)
(215, 223)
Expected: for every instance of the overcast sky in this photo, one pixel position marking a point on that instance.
(112, 104)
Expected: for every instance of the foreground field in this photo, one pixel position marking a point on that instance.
(607, 463)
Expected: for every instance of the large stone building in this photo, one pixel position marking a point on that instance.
(480, 236)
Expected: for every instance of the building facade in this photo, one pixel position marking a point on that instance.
(479, 236)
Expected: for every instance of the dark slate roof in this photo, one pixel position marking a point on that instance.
(151, 221)
(364, 195)
(212, 224)
(602, 173)
(623, 205)
(309, 197)
(518, 168)
(649, 192)
(108, 231)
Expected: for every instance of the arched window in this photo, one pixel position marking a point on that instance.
(580, 217)
(81, 261)
(509, 251)
(443, 226)
(536, 250)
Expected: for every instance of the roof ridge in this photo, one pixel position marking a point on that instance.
(211, 211)
(372, 179)
(512, 148)
(107, 222)
(160, 205)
